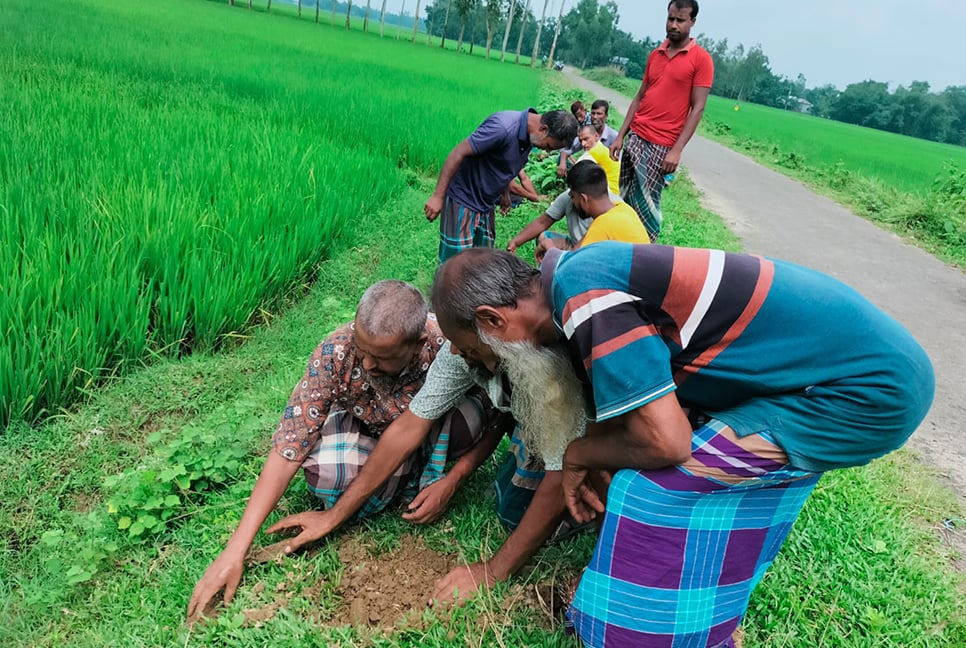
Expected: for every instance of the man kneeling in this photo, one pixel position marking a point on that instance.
(358, 381)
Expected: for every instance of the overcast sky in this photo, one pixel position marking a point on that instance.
(829, 41)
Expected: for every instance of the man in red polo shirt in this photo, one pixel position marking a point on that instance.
(664, 114)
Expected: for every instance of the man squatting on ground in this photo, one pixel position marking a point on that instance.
(477, 174)
(663, 115)
(358, 381)
(722, 387)
(562, 207)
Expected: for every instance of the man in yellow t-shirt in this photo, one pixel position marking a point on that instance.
(589, 136)
(612, 222)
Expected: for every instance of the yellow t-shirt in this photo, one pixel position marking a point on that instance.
(620, 223)
(601, 155)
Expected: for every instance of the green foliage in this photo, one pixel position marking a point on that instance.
(146, 499)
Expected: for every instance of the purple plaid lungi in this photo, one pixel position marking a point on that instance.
(682, 548)
(642, 180)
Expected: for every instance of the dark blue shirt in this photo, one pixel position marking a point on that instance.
(501, 148)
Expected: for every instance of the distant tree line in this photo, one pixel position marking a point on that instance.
(586, 35)
(746, 75)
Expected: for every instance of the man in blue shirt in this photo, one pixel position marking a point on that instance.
(721, 387)
(478, 171)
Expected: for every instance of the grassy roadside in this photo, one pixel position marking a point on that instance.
(858, 570)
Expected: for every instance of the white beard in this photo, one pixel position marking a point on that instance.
(546, 398)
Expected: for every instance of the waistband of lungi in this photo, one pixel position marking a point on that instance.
(720, 459)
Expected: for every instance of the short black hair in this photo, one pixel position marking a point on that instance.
(601, 103)
(575, 106)
(561, 125)
(685, 4)
(589, 178)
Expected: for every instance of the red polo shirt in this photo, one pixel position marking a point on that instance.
(667, 99)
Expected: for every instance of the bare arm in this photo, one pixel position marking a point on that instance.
(655, 435)
(541, 518)
(618, 143)
(532, 230)
(527, 190)
(435, 203)
(699, 99)
(226, 571)
(399, 441)
(432, 501)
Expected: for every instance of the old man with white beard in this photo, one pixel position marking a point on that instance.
(722, 386)
(538, 386)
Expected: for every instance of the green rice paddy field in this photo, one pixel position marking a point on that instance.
(171, 175)
(906, 163)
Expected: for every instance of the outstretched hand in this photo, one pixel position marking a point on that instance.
(462, 582)
(309, 527)
(430, 503)
(223, 574)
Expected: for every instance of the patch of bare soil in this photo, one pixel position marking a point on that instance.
(390, 589)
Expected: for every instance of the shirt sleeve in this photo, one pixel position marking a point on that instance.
(491, 134)
(309, 403)
(558, 208)
(627, 361)
(704, 71)
(447, 382)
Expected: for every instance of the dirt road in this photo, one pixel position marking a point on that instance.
(779, 217)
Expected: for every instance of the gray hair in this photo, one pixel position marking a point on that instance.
(390, 308)
(480, 277)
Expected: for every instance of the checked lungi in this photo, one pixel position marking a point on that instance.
(642, 180)
(461, 228)
(682, 548)
(344, 446)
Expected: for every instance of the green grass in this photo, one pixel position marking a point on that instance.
(905, 163)
(169, 172)
(861, 567)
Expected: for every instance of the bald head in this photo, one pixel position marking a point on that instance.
(480, 277)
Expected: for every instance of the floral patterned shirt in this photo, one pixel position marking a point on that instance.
(336, 382)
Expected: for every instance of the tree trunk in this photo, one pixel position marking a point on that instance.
(317, 12)
(332, 17)
(536, 43)
(382, 20)
(442, 39)
(249, 4)
(348, 10)
(300, 9)
(365, 21)
(459, 42)
(489, 39)
(268, 7)
(506, 34)
(416, 20)
(523, 27)
(556, 34)
(402, 12)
